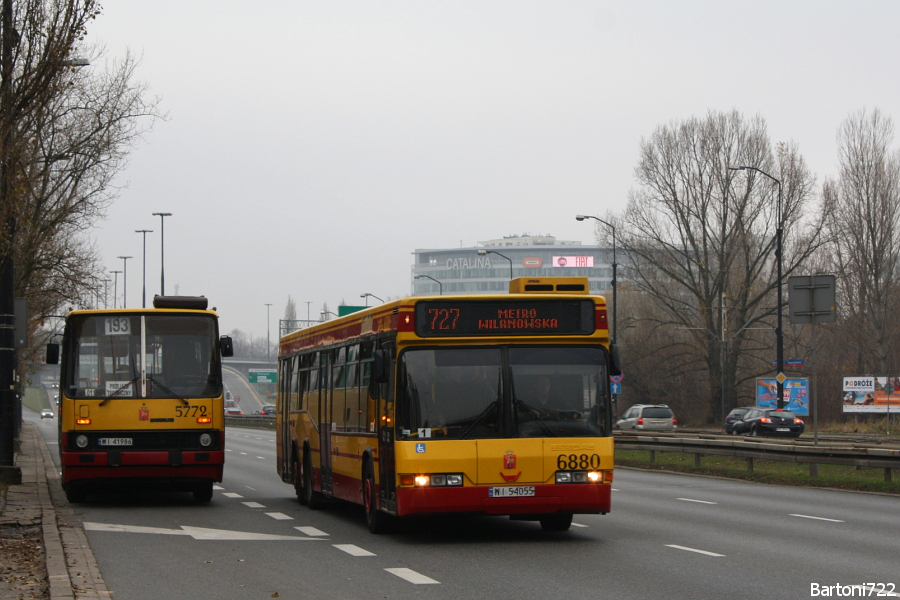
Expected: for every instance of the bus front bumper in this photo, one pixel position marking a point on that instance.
(171, 464)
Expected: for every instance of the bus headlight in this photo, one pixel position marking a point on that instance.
(205, 440)
(578, 477)
(81, 441)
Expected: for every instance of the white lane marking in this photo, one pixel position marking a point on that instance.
(280, 517)
(198, 533)
(243, 454)
(261, 457)
(818, 518)
(227, 449)
(232, 495)
(218, 487)
(311, 531)
(353, 550)
(615, 489)
(694, 550)
(411, 576)
(698, 501)
(253, 504)
(579, 525)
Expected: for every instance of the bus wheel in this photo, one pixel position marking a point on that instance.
(377, 521)
(203, 492)
(556, 522)
(299, 488)
(75, 493)
(314, 500)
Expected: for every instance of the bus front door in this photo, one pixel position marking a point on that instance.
(387, 471)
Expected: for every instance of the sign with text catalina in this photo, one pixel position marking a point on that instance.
(504, 317)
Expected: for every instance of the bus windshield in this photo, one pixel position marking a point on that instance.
(497, 392)
(116, 356)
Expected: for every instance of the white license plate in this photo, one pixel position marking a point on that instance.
(511, 491)
(783, 429)
(115, 441)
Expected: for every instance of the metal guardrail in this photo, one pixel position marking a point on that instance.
(830, 453)
(255, 421)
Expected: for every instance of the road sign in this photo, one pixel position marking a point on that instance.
(811, 299)
(617, 378)
(794, 362)
(262, 375)
(615, 388)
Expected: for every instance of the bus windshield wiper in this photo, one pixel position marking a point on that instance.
(478, 419)
(166, 388)
(119, 389)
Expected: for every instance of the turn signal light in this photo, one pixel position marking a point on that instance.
(204, 419)
(83, 421)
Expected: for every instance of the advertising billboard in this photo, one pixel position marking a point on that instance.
(868, 394)
(573, 261)
(796, 395)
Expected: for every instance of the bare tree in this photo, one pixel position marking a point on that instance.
(864, 205)
(699, 242)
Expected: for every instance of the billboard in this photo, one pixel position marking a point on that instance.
(868, 394)
(796, 395)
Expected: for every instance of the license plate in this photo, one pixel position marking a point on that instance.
(114, 441)
(783, 429)
(511, 491)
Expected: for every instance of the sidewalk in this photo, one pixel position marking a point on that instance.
(39, 502)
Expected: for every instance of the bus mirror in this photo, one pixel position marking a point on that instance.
(52, 354)
(226, 347)
(615, 360)
(379, 366)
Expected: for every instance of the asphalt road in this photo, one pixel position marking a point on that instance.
(669, 536)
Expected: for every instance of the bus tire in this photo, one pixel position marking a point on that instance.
(203, 492)
(297, 476)
(556, 522)
(314, 500)
(75, 494)
(378, 521)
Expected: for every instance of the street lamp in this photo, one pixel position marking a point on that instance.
(268, 329)
(440, 285)
(115, 286)
(614, 266)
(779, 334)
(484, 252)
(366, 296)
(162, 251)
(326, 312)
(125, 280)
(144, 297)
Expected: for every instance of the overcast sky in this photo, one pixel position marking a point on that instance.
(312, 146)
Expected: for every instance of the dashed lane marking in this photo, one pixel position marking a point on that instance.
(697, 501)
(411, 576)
(253, 504)
(713, 554)
(819, 518)
(353, 550)
(311, 531)
(232, 495)
(280, 517)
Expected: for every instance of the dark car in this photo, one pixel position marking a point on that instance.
(769, 421)
(267, 409)
(733, 416)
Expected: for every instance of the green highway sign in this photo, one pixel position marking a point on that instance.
(262, 376)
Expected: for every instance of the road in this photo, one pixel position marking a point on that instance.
(237, 384)
(669, 536)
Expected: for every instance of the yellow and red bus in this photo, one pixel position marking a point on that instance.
(487, 404)
(141, 397)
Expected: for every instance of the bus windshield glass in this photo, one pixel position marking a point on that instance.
(502, 392)
(141, 356)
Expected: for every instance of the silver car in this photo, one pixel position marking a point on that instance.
(46, 413)
(648, 417)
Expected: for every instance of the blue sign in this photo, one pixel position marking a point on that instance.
(615, 388)
(420, 448)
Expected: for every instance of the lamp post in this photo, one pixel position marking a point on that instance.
(115, 286)
(106, 293)
(326, 312)
(162, 251)
(614, 266)
(484, 252)
(268, 329)
(366, 296)
(779, 334)
(125, 280)
(440, 285)
(144, 295)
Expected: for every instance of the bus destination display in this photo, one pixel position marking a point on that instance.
(504, 317)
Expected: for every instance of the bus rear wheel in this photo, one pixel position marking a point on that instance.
(203, 492)
(556, 522)
(378, 522)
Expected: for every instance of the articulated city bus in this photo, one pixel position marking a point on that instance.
(483, 404)
(140, 397)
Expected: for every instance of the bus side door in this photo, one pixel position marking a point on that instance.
(387, 471)
(325, 422)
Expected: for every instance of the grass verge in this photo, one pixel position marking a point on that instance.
(35, 398)
(764, 471)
